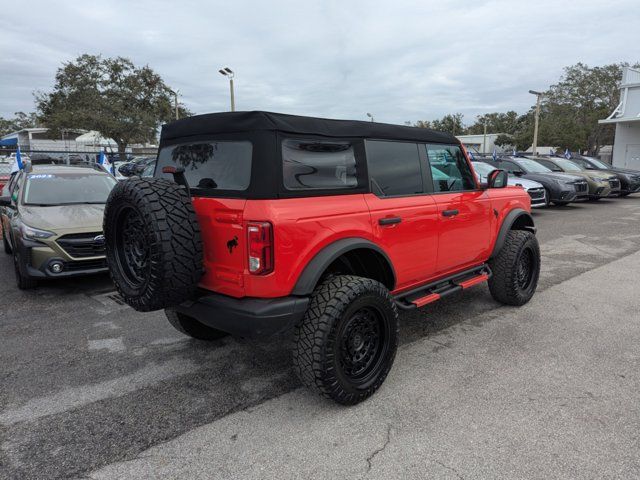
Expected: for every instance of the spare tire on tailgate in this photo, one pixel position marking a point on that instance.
(153, 244)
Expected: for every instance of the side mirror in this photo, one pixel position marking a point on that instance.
(5, 201)
(517, 173)
(497, 179)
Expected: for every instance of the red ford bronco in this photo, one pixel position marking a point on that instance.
(259, 222)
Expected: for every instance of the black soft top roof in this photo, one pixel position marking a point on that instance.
(237, 122)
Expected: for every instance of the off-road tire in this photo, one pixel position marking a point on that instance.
(192, 327)
(5, 242)
(23, 281)
(317, 354)
(153, 244)
(505, 285)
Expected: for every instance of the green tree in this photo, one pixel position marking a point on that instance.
(18, 122)
(110, 95)
(451, 123)
(496, 122)
(573, 106)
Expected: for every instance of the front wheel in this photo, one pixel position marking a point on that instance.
(516, 269)
(346, 344)
(7, 247)
(23, 281)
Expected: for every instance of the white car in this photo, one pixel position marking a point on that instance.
(535, 190)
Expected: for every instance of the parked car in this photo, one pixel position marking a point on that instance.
(149, 170)
(136, 166)
(601, 185)
(629, 179)
(327, 227)
(5, 173)
(534, 189)
(560, 188)
(51, 218)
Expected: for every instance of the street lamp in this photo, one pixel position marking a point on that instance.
(227, 72)
(370, 116)
(537, 117)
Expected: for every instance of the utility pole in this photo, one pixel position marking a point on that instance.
(484, 138)
(370, 116)
(227, 72)
(537, 117)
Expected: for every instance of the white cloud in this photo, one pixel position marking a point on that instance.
(401, 60)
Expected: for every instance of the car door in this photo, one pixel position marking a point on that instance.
(464, 210)
(404, 214)
(11, 211)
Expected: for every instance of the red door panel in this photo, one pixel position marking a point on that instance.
(465, 229)
(407, 229)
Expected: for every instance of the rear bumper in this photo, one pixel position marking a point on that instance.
(246, 317)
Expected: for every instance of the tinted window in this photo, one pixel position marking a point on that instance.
(394, 168)
(449, 169)
(210, 165)
(510, 167)
(318, 164)
(61, 189)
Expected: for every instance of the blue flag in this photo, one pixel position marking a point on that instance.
(18, 165)
(494, 155)
(471, 156)
(101, 158)
(567, 154)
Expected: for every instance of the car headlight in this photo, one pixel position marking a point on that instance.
(34, 233)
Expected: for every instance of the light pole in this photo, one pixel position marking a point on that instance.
(175, 101)
(227, 72)
(537, 117)
(370, 116)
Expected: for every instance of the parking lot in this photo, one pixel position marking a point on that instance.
(88, 385)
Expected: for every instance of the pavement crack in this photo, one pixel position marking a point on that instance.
(451, 469)
(378, 450)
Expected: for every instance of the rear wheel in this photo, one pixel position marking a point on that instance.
(192, 327)
(516, 269)
(345, 345)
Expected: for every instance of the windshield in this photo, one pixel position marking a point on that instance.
(568, 165)
(532, 166)
(63, 189)
(483, 169)
(599, 163)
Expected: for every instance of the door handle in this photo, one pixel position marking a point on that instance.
(389, 220)
(450, 213)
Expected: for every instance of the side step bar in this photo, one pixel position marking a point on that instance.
(431, 292)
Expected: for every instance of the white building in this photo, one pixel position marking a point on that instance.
(626, 117)
(481, 143)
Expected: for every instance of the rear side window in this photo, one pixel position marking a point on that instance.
(318, 164)
(394, 168)
(211, 165)
(449, 168)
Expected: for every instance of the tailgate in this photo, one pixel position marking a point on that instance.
(224, 243)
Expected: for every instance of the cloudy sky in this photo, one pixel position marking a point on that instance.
(400, 60)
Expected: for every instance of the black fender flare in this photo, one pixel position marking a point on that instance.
(519, 215)
(311, 274)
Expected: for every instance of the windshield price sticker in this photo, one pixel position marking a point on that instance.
(42, 175)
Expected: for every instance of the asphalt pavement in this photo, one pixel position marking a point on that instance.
(90, 388)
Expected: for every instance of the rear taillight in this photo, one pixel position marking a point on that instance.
(260, 247)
